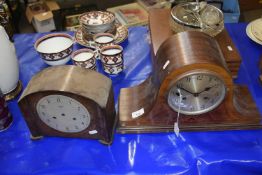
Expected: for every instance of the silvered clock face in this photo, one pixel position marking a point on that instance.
(196, 93)
(63, 113)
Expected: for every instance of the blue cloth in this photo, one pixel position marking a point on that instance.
(225, 152)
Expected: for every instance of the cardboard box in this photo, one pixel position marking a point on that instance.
(41, 16)
(72, 22)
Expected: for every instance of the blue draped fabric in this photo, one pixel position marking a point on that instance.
(205, 153)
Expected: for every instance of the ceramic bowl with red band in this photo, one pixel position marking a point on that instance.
(55, 49)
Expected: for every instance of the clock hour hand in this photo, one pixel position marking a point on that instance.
(186, 90)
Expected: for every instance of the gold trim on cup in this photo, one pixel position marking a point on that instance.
(111, 47)
(96, 36)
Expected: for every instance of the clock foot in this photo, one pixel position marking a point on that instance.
(36, 137)
(8, 121)
(105, 142)
(14, 93)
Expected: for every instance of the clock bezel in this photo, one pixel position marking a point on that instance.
(190, 73)
(43, 118)
(39, 128)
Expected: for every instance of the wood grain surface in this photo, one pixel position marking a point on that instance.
(174, 56)
(159, 21)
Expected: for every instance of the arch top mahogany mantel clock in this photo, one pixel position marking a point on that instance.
(69, 101)
(192, 76)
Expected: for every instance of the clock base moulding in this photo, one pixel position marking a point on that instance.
(105, 142)
(242, 114)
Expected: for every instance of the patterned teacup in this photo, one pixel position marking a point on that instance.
(85, 58)
(112, 59)
(103, 39)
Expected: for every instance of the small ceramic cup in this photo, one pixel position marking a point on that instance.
(112, 59)
(104, 39)
(85, 58)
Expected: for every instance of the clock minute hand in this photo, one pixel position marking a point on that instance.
(207, 89)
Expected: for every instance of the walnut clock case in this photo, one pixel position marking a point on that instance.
(190, 75)
(69, 101)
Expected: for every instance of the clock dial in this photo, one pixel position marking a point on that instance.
(63, 113)
(196, 93)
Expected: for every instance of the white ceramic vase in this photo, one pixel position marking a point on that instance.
(9, 67)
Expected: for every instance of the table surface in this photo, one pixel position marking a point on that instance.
(223, 152)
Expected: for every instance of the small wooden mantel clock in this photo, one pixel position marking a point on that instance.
(190, 76)
(69, 101)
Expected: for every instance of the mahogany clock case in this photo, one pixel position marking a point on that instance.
(159, 21)
(173, 56)
(89, 88)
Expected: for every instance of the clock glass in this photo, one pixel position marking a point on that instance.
(196, 93)
(63, 113)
